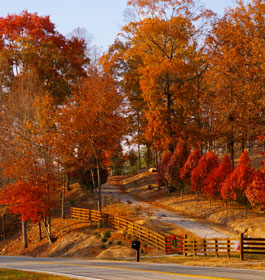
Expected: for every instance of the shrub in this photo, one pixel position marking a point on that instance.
(107, 234)
(104, 239)
(103, 246)
(119, 242)
(110, 242)
(99, 224)
(72, 203)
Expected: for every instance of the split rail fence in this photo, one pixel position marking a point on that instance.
(135, 230)
(176, 244)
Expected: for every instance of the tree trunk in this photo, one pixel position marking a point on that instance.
(24, 234)
(47, 232)
(99, 187)
(67, 181)
(50, 224)
(139, 158)
(62, 198)
(4, 226)
(40, 231)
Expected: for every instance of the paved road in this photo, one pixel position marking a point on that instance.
(101, 270)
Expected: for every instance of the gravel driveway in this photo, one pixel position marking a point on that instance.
(190, 224)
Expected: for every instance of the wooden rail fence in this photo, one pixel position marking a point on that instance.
(180, 243)
(251, 246)
(211, 246)
(136, 230)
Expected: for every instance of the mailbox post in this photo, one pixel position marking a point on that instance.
(136, 244)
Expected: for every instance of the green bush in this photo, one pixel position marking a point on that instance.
(104, 239)
(110, 242)
(99, 224)
(103, 246)
(119, 242)
(72, 203)
(107, 234)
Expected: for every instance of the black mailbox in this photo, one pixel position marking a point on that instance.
(136, 244)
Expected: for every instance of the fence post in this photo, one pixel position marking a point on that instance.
(241, 246)
(216, 247)
(194, 248)
(204, 247)
(185, 245)
(228, 247)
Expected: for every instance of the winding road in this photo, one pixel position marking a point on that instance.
(200, 229)
(102, 270)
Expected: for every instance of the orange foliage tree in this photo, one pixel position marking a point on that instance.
(236, 74)
(94, 115)
(27, 142)
(164, 59)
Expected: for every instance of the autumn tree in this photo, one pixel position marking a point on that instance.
(236, 74)
(176, 162)
(255, 191)
(235, 185)
(216, 177)
(199, 174)
(26, 139)
(117, 160)
(161, 169)
(94, 115)
(132, 158)
(29, 202)
(29, 41)
(161, 48)
(189, 165)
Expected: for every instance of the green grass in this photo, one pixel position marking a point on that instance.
(10, 274)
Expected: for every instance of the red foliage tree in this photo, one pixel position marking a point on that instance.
(189, 165)
(235, 185)
(199, 174)
(28, 201)
(29, 41)
(161, 169)
(256, 190)
(175, 164)
(216, 177)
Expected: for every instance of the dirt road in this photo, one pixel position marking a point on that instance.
(203, 230)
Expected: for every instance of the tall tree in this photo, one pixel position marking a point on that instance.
(29, 41)
(161, 42)
(236, 48)
(94, 115)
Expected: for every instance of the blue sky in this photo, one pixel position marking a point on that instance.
(102, 18)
